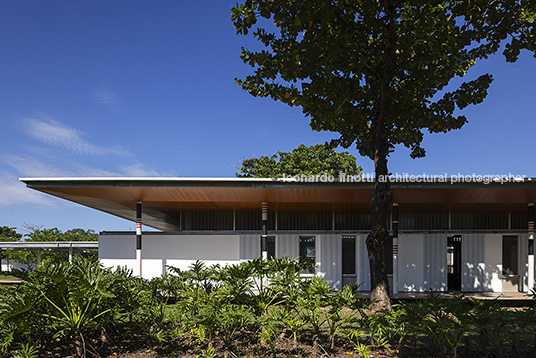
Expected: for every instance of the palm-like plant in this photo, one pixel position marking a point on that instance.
(70, 298)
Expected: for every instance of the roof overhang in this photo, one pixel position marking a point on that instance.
(164, 198)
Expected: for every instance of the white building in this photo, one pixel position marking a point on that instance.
(466, 235)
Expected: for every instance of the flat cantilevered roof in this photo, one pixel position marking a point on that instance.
(164, 198)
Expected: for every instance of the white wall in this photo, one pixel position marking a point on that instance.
(161, 250)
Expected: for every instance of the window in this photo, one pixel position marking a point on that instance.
(348, 255)
(270, 246)
(308, 251)
(388, 255)
(509, 256)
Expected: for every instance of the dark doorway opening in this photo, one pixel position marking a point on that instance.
(454, 263)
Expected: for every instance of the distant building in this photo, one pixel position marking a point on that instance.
(473, 234)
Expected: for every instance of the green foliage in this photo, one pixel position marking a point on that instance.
(444, 320)
(8, 234)
(357, 336)
(27, 350)
(68, 299)
(216, 306)
(29, 257)
(374, 71)
(318, 159)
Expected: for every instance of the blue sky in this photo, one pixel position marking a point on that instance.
(139, 88)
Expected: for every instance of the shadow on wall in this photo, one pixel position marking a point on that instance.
(479, 277)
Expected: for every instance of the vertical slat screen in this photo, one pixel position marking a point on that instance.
(423, 221)
(352, 221)
(287, 245)
(435, 262)
(251, 220)
(331, 258)
(304, 221)
(250, 247)
(523, 261)
(363, 267)
(479, 221)
(520, 221)
(474, 263)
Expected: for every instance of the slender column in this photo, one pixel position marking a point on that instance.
(531, 248)
(71, 253)
(264, 234)
(39, 257)
(395, 248)
(138, 236)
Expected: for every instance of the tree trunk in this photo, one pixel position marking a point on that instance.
(381, 198)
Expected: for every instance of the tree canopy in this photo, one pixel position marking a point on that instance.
(371, 70)
(29, 257)
(375, 73)
(9, 234)
(317, 159)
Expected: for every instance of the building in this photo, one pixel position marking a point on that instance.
(471, 234)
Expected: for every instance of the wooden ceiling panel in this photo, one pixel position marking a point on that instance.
(163, 199)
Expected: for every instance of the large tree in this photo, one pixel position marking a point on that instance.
(375, 71)
(318, 159)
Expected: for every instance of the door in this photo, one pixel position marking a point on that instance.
(454, 263)
(510, 266)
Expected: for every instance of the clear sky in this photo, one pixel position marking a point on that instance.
(146, 88)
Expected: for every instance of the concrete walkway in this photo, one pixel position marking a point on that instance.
(500, 296)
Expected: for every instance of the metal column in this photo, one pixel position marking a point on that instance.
(395, 248)
(531, 248)
(264, 234)
(138, 236)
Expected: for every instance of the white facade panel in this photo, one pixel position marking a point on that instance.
(287, 245)
(362, 263)
(435, 262)
(493, 259)
(523, 261)
(411, 262)
(330, 259)
(250, 246)
(475, 275)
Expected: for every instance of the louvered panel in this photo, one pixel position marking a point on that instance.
(479, 221)
(520, 221)
(252, 220)
(352, 221)
(304, 221)
(423, 221)
(207, 220)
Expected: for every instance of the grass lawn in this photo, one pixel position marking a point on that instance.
(7, 277)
